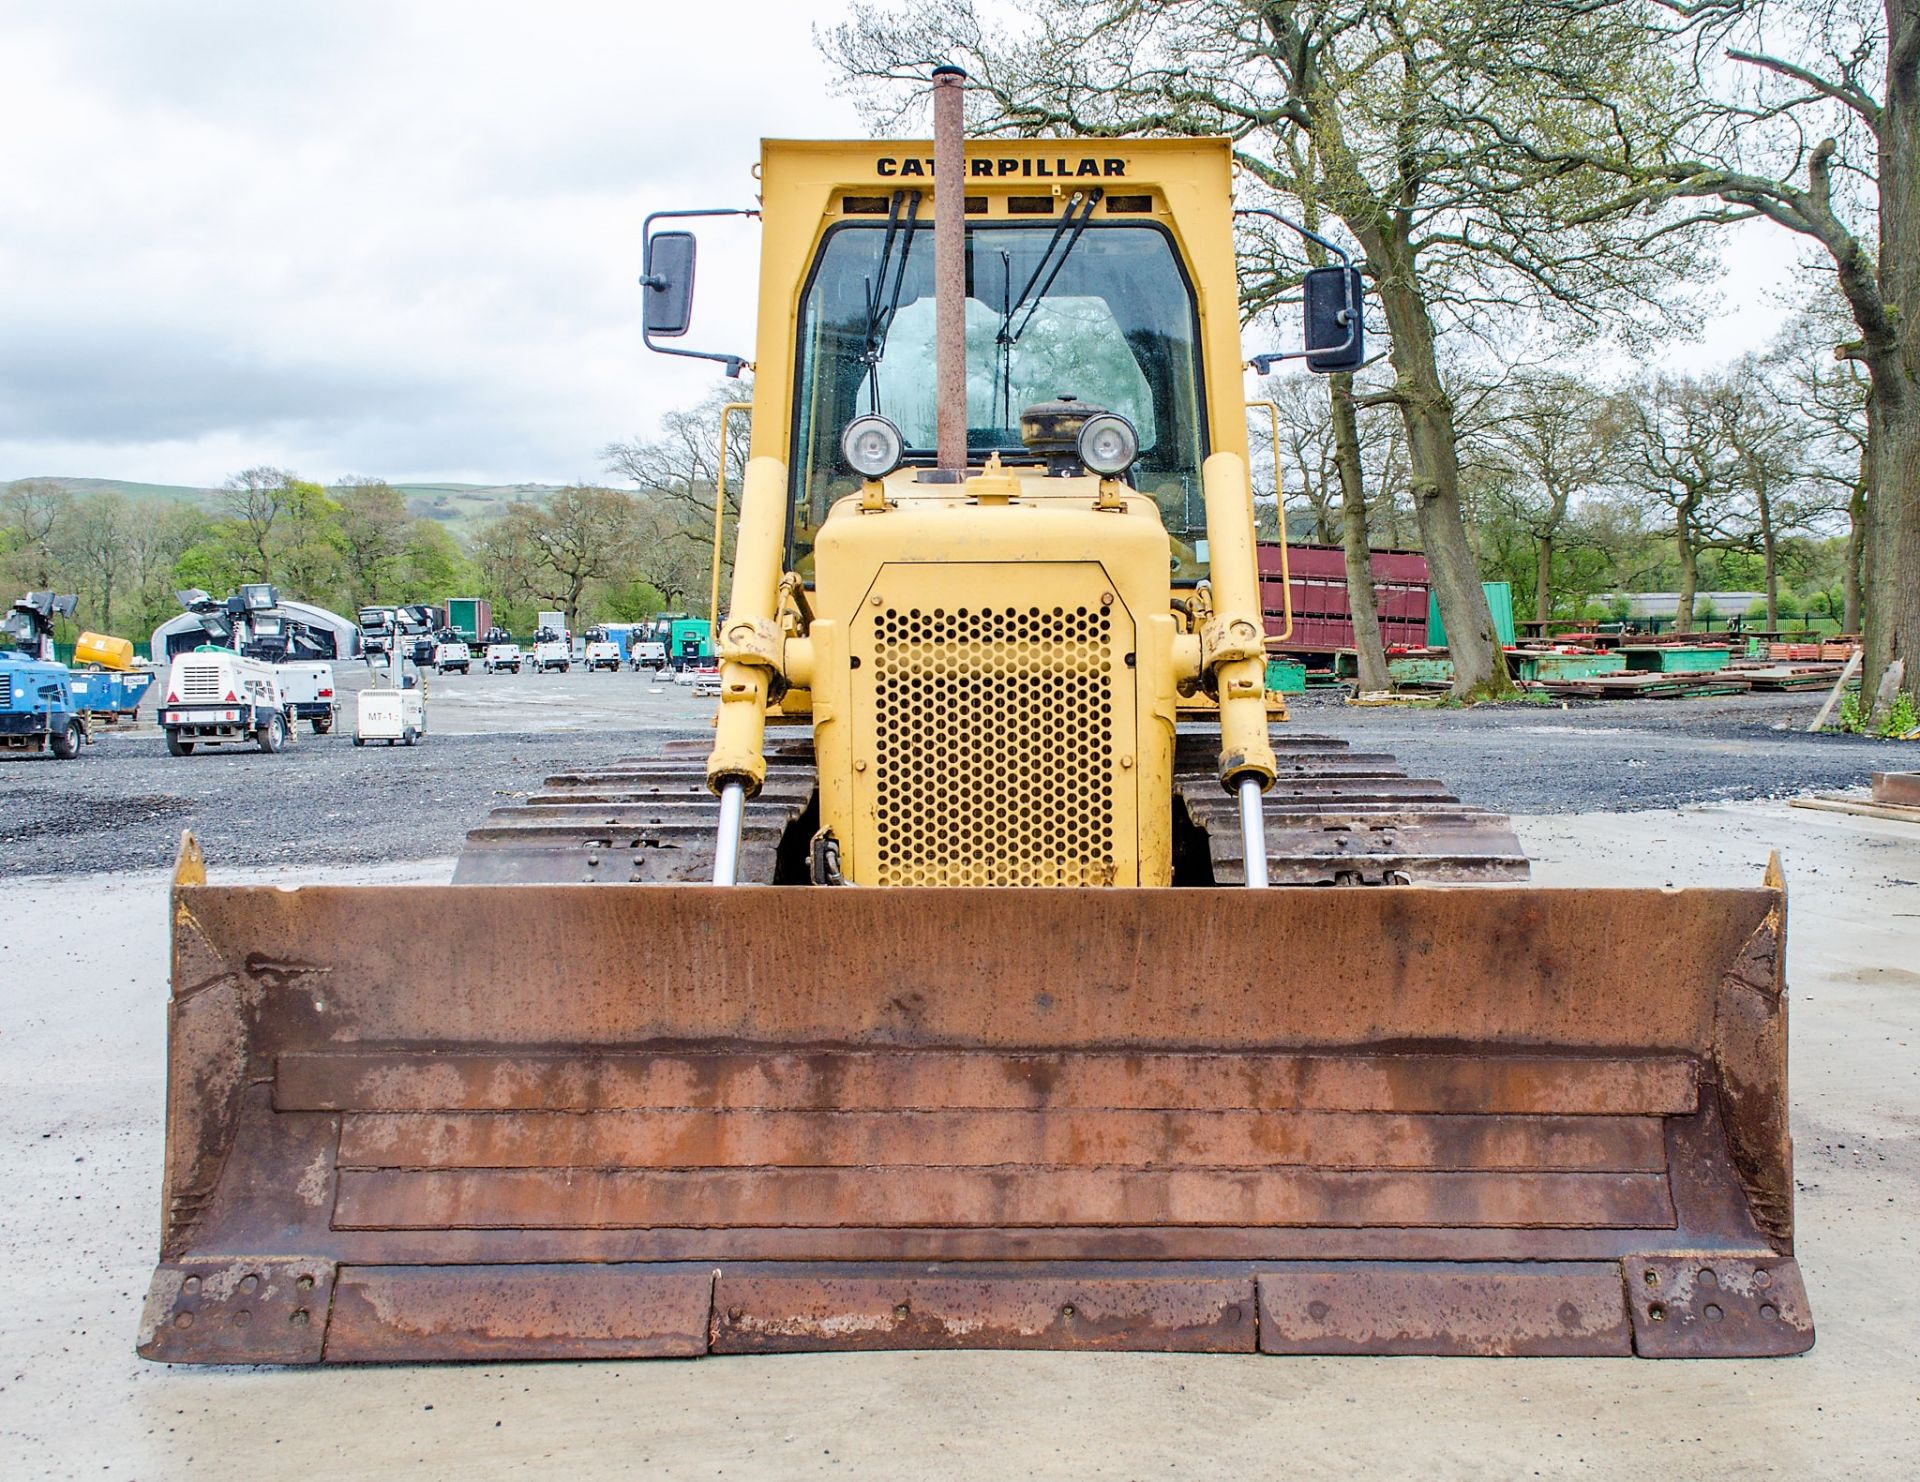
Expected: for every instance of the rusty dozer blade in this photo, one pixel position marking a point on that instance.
(562, 1121)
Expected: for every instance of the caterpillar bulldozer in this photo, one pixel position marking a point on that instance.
(1003, 973)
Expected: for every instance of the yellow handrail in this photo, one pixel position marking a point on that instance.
(720, 516)
(1280, 512)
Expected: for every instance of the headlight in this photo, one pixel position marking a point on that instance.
(1108, 444)
(872, 446)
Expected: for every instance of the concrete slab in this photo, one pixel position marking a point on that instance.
(80, 1100)
(479, 703)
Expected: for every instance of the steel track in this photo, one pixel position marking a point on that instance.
(1333, 817)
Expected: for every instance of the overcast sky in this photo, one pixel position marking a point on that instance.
(396, 239)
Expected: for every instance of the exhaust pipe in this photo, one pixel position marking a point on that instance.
(950, 268)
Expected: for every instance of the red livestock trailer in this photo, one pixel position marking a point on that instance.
(1322, 619)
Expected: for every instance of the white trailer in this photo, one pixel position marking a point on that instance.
(552, 644)
(393, 706)
(388, 714)
(214, 697)
(603, 651)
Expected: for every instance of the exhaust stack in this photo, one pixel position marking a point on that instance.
(950, 267)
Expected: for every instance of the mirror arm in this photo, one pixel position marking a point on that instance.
(734, 364)
(1349, 315)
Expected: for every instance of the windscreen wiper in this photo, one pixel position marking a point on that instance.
(1068, 227)
(880, 315)
(1066, 234)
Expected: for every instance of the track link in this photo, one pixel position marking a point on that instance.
(647, 821)
(1334, 817)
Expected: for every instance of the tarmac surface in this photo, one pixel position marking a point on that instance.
(81, 1071)
(493, 738)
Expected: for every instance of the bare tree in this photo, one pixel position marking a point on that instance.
(32, 512)
(1306, 449)
(1556, 434)
(677, 473)
(155, 545)
(255, 499)
(1826, 394)
(1418, 127)
(1370, 654)
(96, 541)
(1769, 460)
(1807, 113)
(583, 534)
(1678, 458)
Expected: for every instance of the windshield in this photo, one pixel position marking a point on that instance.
(1104, 315)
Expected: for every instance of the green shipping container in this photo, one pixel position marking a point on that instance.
(469, 617)
(1661, 658)
(1286, 676)
(1499, 602)
(1411, 670)
(1563, 666)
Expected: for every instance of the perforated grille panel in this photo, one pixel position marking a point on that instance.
(200, 681)
(996, 744)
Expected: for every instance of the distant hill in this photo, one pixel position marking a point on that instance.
(462, 508)
(128, 487)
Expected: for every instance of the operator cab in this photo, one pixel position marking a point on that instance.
(1082, 309)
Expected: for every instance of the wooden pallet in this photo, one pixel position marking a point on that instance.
(1648, 685)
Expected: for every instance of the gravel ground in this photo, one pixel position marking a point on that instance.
(1614, 756)
(123, 804)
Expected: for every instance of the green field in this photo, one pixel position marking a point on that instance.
(462, 508)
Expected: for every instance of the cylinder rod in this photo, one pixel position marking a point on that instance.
(726, 854)
(950, 266)
(1253, 833)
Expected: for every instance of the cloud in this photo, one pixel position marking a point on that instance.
(398, 239)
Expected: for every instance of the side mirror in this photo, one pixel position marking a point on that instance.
(1336, 332)
(668, 279)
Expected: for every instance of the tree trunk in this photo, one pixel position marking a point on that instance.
(1770, 559)
(1854, 556)
(1689, 577)
(1542, 584)
(1479, 665)
(1369, 650)
(1891, 578)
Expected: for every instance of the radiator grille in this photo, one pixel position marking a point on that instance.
(6, 689)
(200, 682)
(996, 746)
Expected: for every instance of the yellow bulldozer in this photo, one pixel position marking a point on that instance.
(1002, 975)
